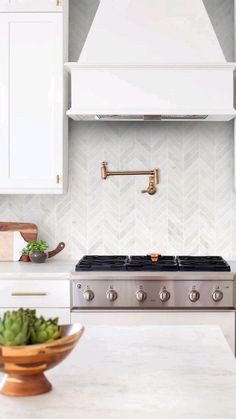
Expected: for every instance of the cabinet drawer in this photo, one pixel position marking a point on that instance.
(34, 293)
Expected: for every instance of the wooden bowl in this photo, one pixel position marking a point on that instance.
(25, 365)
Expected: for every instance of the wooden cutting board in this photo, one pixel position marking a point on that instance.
(28, 231)
(11, 244)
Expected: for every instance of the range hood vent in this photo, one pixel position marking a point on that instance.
(149, 117)
(158, 60)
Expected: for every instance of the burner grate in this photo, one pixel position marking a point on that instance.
(202, 263)
(144, 263)
(102, 263)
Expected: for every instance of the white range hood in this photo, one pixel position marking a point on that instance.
(152, 60)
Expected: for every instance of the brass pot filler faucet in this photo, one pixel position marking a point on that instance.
(153, 177)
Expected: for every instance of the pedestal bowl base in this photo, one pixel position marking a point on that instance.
(19, 385)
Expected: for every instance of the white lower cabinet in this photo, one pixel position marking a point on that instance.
(50, 298)
(224, 319)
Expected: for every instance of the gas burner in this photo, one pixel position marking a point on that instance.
(202, 263)
(102, 263)
(145, 263)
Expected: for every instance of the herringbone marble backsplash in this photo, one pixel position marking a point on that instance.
(194, 211)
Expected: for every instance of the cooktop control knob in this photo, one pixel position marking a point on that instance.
(194, 296)
(164, 295)
(217, 296)
(88, 295)
(141, 296)
(112, 295)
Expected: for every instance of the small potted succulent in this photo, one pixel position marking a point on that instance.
(25, 255)
(37, 251)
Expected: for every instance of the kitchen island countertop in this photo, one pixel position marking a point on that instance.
(179, 372)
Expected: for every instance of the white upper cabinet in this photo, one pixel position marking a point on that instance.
(31, 5)
(33, 128)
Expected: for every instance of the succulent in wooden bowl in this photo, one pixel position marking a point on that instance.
(24, 365)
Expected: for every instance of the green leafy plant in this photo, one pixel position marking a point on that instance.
(25, 251)
(39, 246)
(23, 327)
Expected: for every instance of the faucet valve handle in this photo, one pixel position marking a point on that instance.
(151, 189)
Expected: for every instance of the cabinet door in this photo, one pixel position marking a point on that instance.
(31, 5)
(31, 102)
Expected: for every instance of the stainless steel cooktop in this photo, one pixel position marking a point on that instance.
(137, 282)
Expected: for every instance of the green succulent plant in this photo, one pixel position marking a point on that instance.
(25, 251)
(39, 246)
(45, 330)
(23, 327)
(15, 328)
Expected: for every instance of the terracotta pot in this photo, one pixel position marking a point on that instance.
(25, 258)
(38, 257)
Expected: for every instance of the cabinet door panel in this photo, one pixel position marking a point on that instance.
(31, 5)
(32, 73)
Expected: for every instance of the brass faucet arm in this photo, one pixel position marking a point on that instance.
(106, 173)
(153, 176)
(131, 173)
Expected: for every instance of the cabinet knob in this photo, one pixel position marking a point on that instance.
(58, 2)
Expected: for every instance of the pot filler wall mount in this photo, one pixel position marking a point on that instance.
(152, 61)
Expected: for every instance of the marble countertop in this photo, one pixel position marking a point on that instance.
(166, 372)
(52, 268)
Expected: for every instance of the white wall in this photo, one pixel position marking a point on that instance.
(194, 210)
